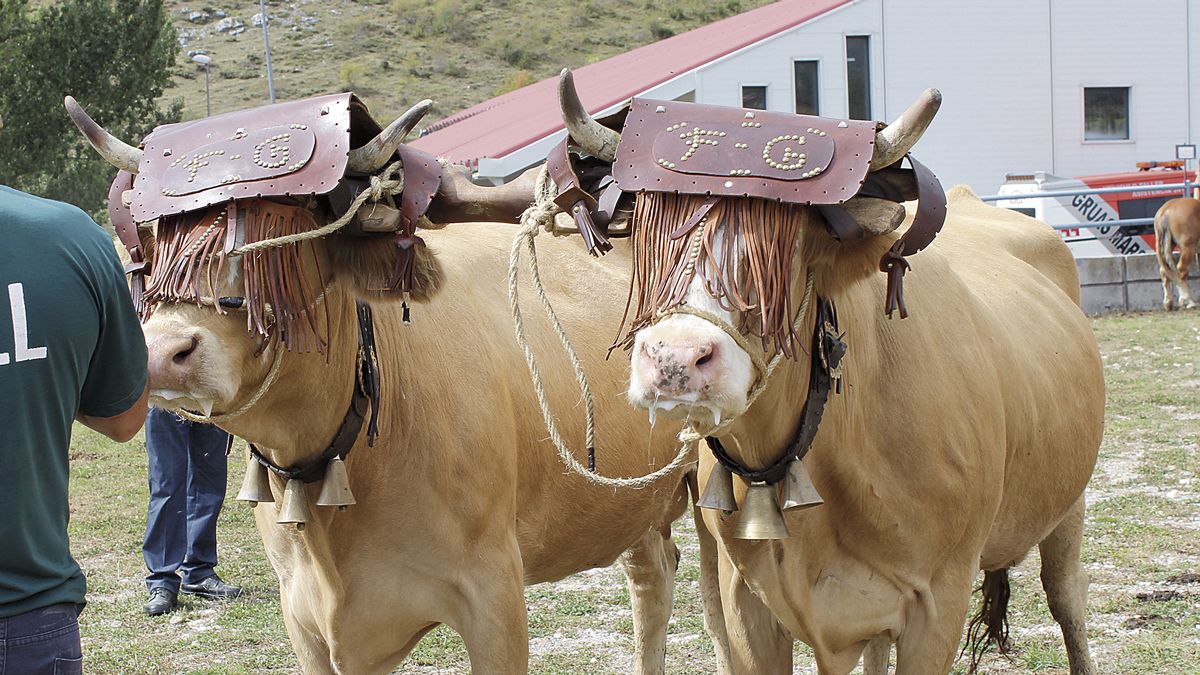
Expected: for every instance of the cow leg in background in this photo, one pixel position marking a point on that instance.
(491, 617)
(877, 656)
(758, 644)
(1066, 587)
(710, 591)
(1168, 279)
(650, 566)
(1187, 258)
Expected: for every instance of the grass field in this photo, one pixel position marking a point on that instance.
(1142, 550)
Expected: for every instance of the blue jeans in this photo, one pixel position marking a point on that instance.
(41, 642)
(187, 488)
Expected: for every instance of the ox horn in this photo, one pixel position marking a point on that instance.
(592, 136)
(379, 150)
(115, 151)
(896, 139)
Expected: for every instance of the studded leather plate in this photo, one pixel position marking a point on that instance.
(690, 148)
(293, 148)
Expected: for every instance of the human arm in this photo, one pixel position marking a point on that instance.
(123, 426)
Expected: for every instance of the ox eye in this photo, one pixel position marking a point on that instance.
(231, 303)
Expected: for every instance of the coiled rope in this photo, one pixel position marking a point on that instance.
(537, 217)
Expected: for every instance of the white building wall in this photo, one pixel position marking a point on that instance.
(1142, 45)
(1011, 73)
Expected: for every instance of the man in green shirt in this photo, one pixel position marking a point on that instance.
(71, 347)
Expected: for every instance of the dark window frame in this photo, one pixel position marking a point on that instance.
(858, 94)
(762, 87)
(1097, 128)
(815, 89)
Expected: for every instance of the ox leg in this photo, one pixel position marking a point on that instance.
(311, 649)
(1187, 256)
(933, 629)
(491, 618)
(1066, 587)
(877, 656)
(758, 643)
(710, 594)
(650, 566)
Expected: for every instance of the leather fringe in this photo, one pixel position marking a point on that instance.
(742, 247)
(190, 263)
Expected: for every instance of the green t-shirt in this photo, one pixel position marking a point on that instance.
(70, 343)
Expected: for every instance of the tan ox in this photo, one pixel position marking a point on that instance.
(1177, 223)
(462, 501)
(965, 436)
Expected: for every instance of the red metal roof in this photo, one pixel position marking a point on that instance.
(502, 125)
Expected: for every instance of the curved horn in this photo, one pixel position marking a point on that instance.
(379, 150)
(115, 151)
(896, 139)
(592, 136)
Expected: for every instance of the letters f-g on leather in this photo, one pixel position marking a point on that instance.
(690, 148)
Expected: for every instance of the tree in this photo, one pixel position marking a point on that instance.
(114, 56)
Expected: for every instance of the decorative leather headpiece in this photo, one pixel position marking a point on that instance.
(690, 148)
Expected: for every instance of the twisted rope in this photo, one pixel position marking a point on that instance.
(539, 216)
(381, 184)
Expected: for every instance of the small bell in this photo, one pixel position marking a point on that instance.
(257, 485)
(760, 517)
(335, 489)
(295, 505)
(798, 489)
(718, 492)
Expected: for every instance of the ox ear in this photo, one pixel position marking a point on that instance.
(370, 265)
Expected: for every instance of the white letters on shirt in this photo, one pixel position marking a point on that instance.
(21, 348)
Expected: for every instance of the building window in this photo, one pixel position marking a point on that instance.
(1106, 113)
(858, 76)
(807, 91)
(754, 96)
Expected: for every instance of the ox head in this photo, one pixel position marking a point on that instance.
(218, 313)
(721, 283)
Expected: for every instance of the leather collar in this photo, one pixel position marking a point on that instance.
(828, 349)
(366, 395)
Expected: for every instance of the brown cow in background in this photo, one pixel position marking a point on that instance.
(1177, 223)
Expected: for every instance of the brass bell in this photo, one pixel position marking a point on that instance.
(335, 489)
(295, 505)
(257, 485)
(760, 517)
(718, 492)
(798, 489)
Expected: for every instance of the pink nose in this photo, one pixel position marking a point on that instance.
(172, 360)
(677, 369)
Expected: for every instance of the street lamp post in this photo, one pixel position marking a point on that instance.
(206, 61)
(262, 12)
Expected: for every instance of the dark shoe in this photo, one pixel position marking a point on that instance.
(162, 601)
(213, 588)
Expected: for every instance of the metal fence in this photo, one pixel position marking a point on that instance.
(1184, 188)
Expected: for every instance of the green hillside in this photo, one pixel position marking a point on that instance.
(394, 53)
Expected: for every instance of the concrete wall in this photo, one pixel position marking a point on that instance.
(1124, 284)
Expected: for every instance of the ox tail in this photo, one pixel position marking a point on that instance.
(990, 624)
(1165, 244)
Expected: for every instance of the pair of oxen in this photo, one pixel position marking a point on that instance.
(962, 436)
